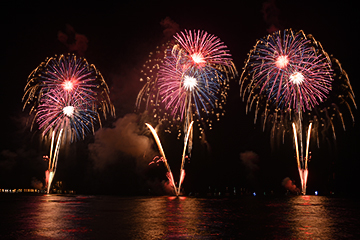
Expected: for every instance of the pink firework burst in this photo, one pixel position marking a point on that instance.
(183, 88)
(59, 109)
(201, 49)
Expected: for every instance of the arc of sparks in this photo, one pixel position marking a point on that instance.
(303, 168)
(182, 171)
(50, 173)
(157, 139)
(307, 145)
(296, 145)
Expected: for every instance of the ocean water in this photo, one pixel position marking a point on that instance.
(246, 217)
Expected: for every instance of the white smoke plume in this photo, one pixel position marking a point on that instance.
(124, 138)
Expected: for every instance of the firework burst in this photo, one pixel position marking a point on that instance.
(181, 88)
(278, 117)
(70, 73)
(68, 96)
(59, 109)
(292, 82)
(290, 69)
(192, 56)
(203, 51)
(187, 82)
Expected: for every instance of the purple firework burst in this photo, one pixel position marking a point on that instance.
(70, 73)
(291, 69)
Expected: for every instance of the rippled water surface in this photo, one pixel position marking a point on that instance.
(248, 217)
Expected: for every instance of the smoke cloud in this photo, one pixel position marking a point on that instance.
(289, 185)
(36, 184)
(271, 16)
(9, 160)
(250, 159)
(170, 27)
(75, 42)
(124, 138)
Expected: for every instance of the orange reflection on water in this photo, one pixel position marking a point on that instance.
(309, 218)
(168, 217)
(54, 217)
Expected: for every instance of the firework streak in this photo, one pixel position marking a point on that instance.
(163, 158)
(162, 153)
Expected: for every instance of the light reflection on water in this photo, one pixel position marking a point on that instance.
(42, 217)
(310, 218)
(168, 217)
(58, 217)
(317, 217)
(105, 217)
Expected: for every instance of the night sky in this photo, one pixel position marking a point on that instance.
(120, 37)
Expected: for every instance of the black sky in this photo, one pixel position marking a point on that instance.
(120, 35)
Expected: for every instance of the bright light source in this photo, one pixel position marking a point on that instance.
(68, 111)
(198, 58)
(189, 83)
(282, 61)
(297, 78)
(68, 85)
